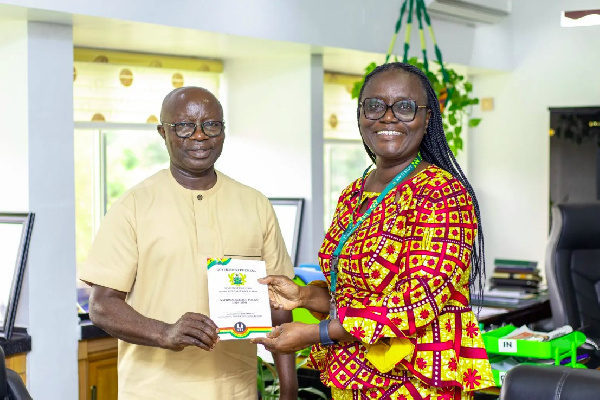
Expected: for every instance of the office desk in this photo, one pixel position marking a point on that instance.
(518, 315)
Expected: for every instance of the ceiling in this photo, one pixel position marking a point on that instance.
(140, 37)
(148, 38)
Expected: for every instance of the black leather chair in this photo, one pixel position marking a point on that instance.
(573, 267)
(11, 384)
(549, 382)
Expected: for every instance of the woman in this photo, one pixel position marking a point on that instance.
(399, 259)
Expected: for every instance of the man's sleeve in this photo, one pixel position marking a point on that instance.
(112, 261)
(275, 253)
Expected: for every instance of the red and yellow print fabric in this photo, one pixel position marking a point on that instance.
(405, 273)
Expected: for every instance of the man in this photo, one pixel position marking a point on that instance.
(147, 267)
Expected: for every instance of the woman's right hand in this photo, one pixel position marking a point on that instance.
(284, 294)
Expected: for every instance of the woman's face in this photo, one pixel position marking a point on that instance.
(389, 138)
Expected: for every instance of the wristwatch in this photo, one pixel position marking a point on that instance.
(324, 333)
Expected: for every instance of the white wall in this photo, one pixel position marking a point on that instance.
(509, 151)
(13, 114)
(36, 162)
(53, 323)
(268, 136)
(316, 234)
(492, 47)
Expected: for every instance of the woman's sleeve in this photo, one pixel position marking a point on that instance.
(432, 268)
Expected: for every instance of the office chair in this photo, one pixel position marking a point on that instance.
(549, 382)
(11, 384)
(573, 267)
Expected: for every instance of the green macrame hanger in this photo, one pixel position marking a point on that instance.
(421, 12)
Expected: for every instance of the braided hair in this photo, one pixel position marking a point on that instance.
(435, 150)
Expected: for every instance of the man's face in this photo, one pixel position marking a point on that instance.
(197, 154)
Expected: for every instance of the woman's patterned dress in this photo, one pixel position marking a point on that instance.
(405, 273)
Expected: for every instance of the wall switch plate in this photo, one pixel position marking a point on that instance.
(487, 104)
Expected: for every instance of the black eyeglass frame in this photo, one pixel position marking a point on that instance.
(202, 125)
(388, 106)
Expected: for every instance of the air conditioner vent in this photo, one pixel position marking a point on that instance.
(474, 11)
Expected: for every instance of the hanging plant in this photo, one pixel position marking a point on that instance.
(454, 92)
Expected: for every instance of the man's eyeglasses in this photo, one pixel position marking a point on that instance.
(187, 129)
(404, 110)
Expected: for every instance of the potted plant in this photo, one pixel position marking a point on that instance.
(454, 92)
(267, 380)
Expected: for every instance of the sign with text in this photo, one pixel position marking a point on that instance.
(507, 345)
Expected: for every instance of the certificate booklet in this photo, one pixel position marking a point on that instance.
(238, 304)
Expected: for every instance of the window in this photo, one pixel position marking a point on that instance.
(344, 153)
(107, 163)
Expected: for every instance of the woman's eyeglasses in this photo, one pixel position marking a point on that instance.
(404, 110)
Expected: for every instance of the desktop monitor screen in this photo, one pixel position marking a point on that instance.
(15, 231)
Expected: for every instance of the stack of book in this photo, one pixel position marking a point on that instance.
(516, 275)
(509, 298)
(513, 284)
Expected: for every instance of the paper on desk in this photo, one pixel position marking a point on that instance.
(524, 333)
(486, 312)
(505, 364)
(508, 293)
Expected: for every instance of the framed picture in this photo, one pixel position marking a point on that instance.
(15, 234)
(289, 215)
